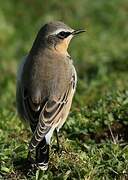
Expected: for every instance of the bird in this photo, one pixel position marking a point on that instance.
(46, 83)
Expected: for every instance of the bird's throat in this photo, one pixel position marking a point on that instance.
(63, 46)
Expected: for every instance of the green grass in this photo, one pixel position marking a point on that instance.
(94, 139)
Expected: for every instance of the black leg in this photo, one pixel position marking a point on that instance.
(30, 158)
(57, 138)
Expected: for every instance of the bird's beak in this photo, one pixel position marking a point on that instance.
(75, 32)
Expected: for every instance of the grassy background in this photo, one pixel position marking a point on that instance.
(94, 138)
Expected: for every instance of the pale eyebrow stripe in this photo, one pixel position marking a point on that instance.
(59, 30)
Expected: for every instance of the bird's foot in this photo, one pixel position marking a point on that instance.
(31, 160)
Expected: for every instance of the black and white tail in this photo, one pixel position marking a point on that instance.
(42, 155)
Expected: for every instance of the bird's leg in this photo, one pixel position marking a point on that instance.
(57, 138)
(30, 158)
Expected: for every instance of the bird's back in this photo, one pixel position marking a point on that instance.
(48, 76)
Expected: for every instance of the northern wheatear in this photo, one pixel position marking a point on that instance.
(46, 83)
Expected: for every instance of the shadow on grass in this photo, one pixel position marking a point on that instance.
(116, 130)
(23, 168)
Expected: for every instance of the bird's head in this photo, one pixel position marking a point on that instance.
(58, 35)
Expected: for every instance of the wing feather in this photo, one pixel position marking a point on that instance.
(49, 116)
(42, 116)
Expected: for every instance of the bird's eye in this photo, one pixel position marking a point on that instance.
(63, 34)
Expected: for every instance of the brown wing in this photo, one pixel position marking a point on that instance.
(49, 115)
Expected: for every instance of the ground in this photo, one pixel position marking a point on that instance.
(94, 140)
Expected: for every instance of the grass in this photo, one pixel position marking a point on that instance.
(94, 139)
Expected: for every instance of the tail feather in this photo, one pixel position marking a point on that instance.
(42, 155)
